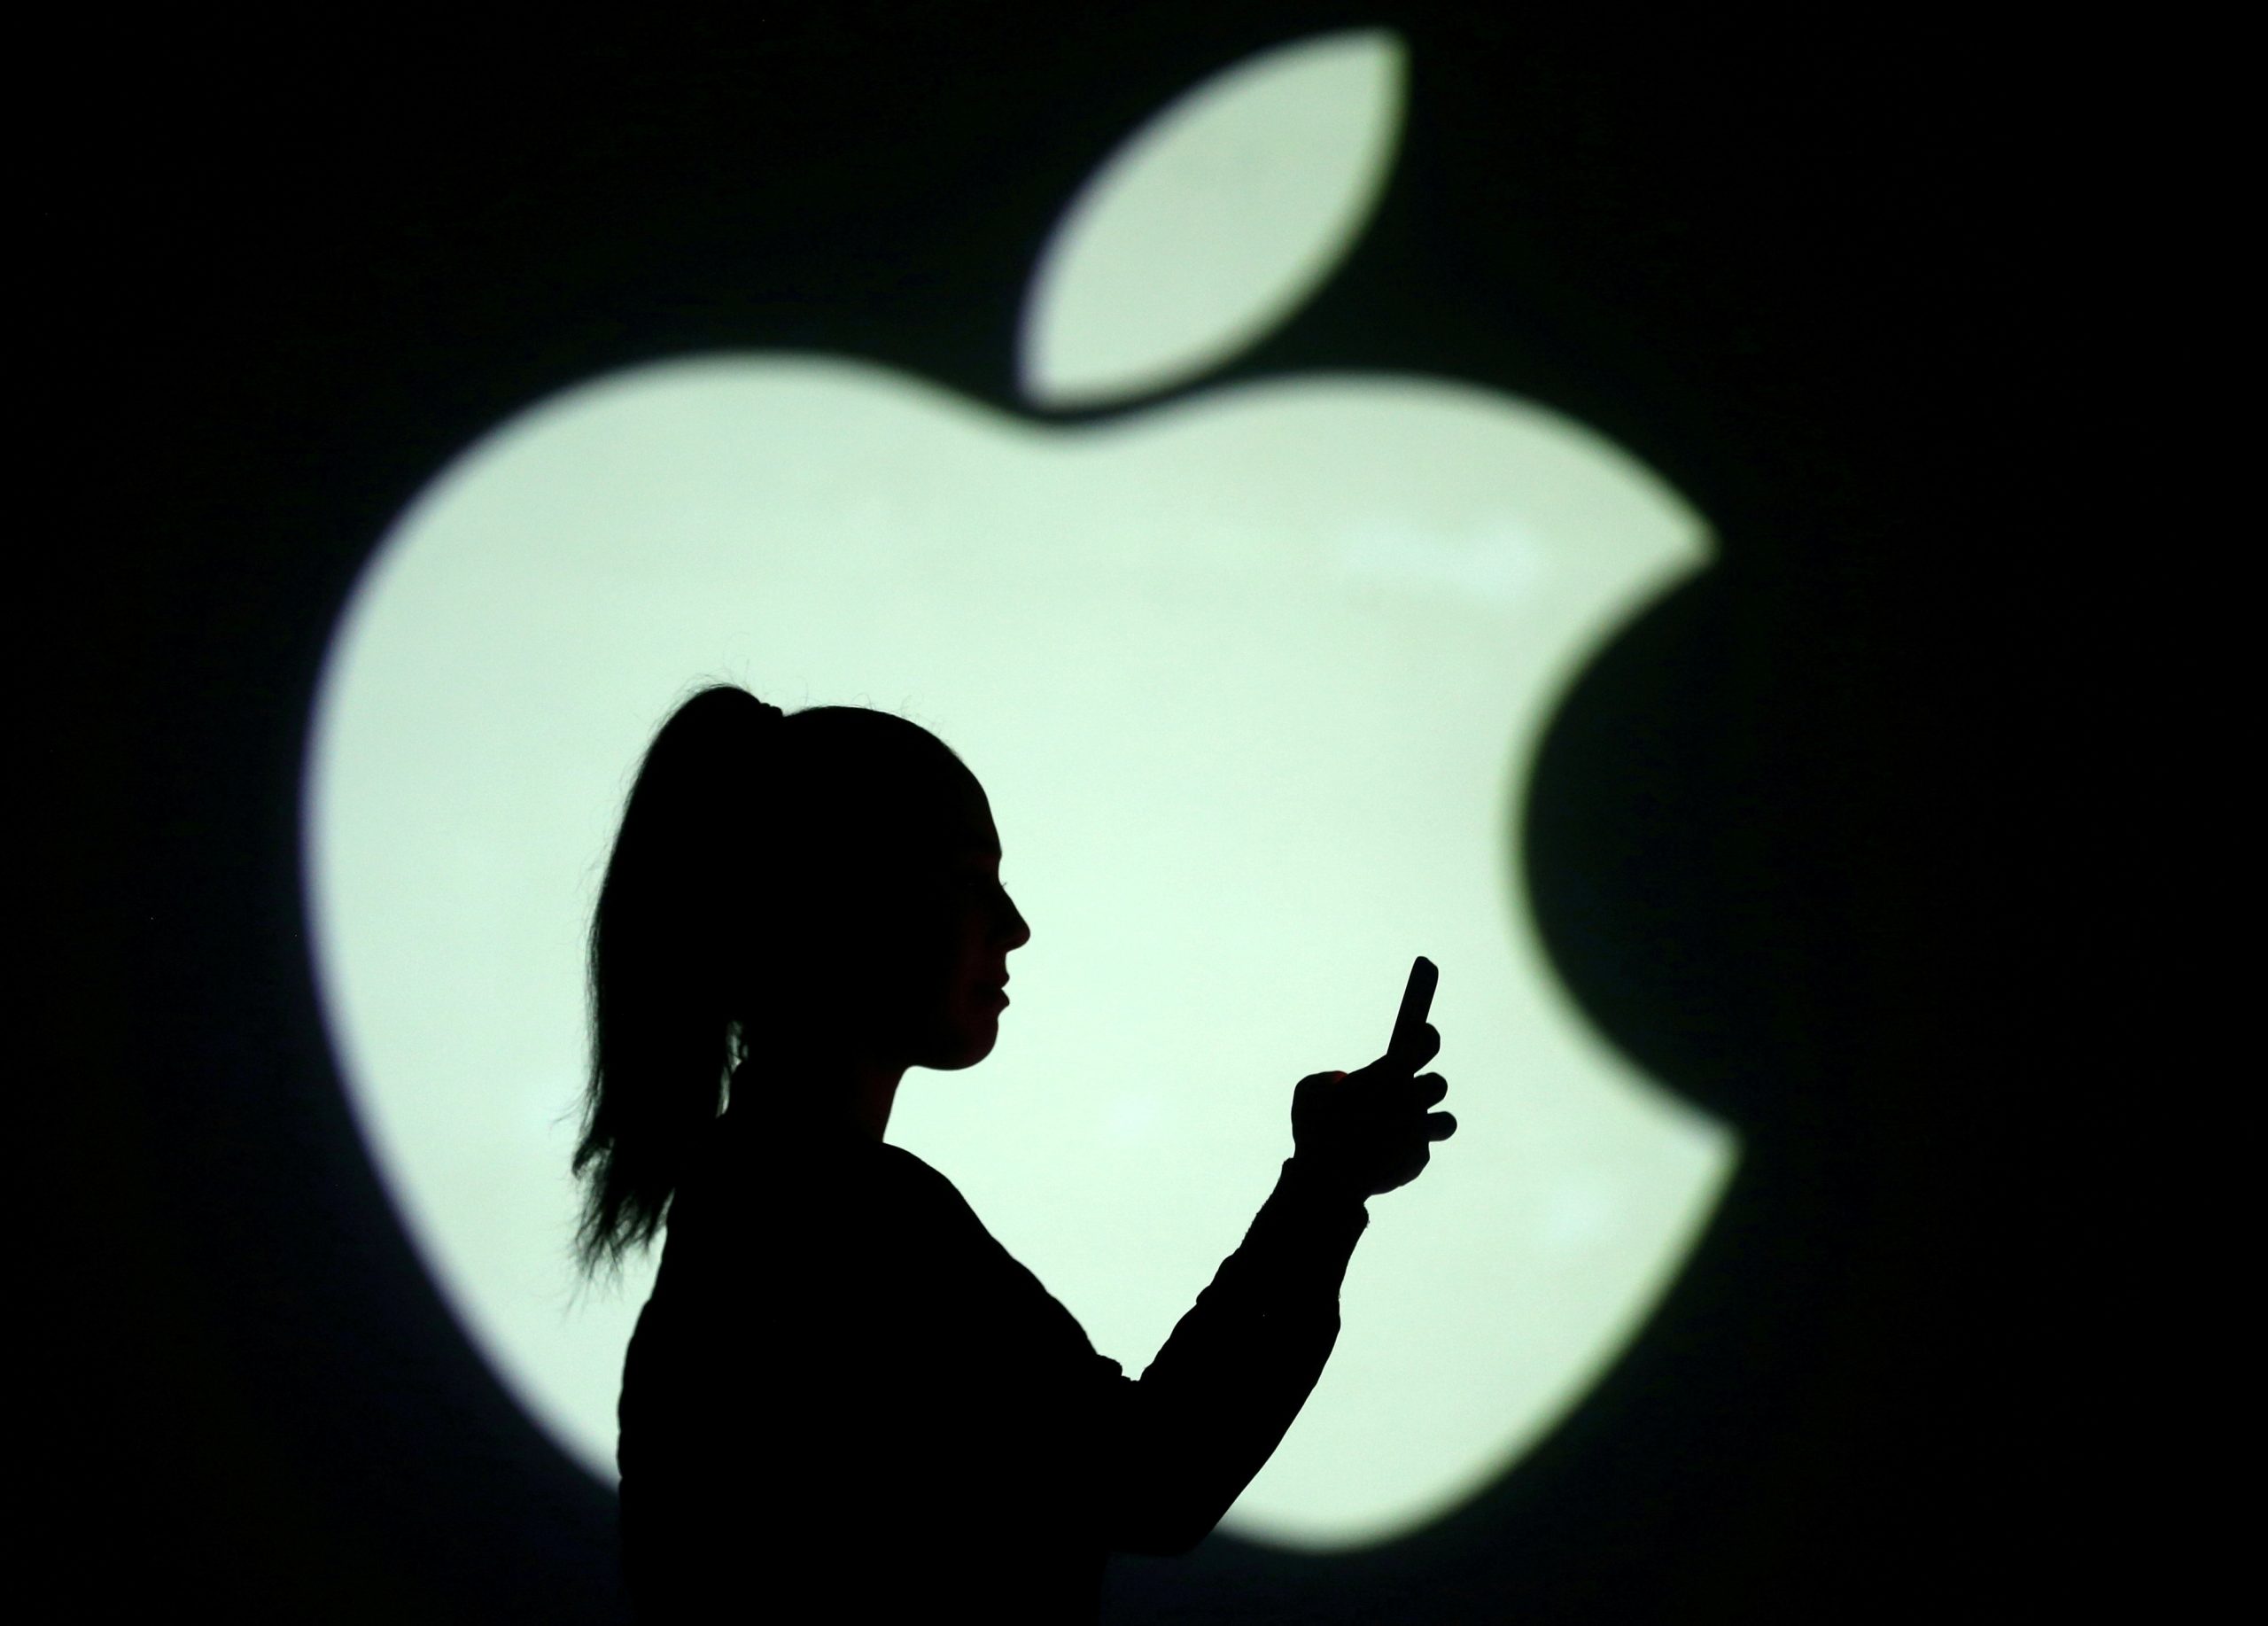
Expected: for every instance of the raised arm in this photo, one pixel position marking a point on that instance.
(1182, 1444)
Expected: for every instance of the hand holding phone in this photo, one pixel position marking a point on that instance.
(1371, 1130)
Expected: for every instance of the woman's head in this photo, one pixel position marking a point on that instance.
(881, 923)
(783, 888)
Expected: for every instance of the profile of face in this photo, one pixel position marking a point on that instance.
(959, 927)
(904, 961)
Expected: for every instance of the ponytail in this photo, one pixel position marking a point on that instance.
(665, 958)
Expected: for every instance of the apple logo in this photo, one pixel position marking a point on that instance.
(1254, 675)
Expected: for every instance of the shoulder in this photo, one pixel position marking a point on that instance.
(839, 1189)
(904, 1170)
(918, 1193)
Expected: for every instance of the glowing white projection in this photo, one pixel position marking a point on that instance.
(1254, 679)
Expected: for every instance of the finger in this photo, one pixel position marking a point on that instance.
(1430, 1088)
(1440, 1125)
(1392, 1069)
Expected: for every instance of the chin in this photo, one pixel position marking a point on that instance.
(966, 1048)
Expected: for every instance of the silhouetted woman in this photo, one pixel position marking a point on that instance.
(844, 1398)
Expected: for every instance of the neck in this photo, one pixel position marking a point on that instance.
(839, 1088)
(873, 1092)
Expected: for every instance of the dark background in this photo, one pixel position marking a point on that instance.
(1788, 843)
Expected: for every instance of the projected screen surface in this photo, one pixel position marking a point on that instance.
(1253, 679)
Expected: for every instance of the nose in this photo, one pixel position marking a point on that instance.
(1019, 928)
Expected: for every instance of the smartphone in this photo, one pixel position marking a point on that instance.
(1417, 1001)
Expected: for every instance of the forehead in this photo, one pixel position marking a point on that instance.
(974, 831)
(948, 812)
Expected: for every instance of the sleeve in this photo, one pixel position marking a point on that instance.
(1180, 1444)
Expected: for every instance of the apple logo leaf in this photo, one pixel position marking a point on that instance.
(1213, 221)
